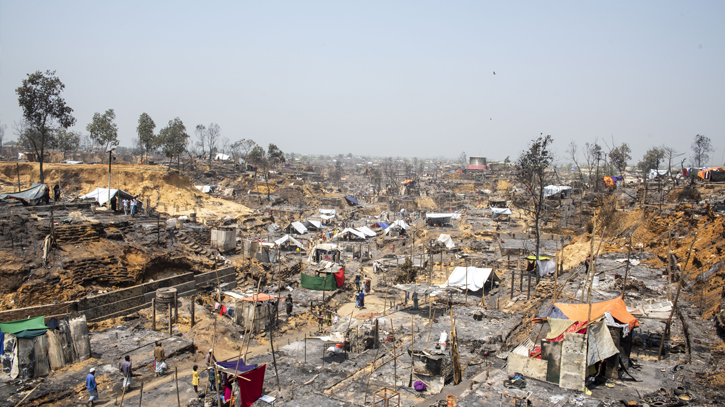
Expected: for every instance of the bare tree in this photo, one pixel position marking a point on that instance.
(2, 133)
(200, 133)
(671, 154)
(572, 151)
(701, 149)
(531, 172)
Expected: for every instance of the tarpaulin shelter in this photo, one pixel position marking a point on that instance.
(351, 201)
(330, 282)
(222, 157)
(471, 278)
(331, 212)
(288, 240)
(349, 234)
(398, 226)
(657, 173)
(32, 195)
(379, 225)
(313, 224)
(366, 231)
(580, 312)
(551, 190)
(325, 252)
(296, 227)
(712, 174)
(101, 195)
(250, 379)
(499, 213)
(446, 240)
(14, 327)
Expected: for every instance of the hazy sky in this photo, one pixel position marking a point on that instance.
(384, 78)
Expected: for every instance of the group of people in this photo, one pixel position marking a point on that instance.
(131, 206)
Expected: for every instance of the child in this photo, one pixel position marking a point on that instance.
(195, 379)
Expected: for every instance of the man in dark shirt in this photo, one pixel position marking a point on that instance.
(126, 370)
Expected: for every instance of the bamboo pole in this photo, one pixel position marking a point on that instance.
(271, 347)
(677, 297)
(626, 270)
(412, 350)
(140, 397)
(176, 379)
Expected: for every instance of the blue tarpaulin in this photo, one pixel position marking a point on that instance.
(555, 313)
(237, 365)
(351, 200)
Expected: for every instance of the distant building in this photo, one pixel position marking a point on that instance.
(476, 163)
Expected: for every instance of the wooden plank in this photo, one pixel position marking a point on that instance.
(573, 362)
(529, 367)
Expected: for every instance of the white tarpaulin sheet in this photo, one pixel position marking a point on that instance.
(367, 231)
(501, 211)
(101, 195)
(204, 188)
(554, 189)
(359, 234)
(398, 223)
(316, 223)
(292, 241)
(654, 173)
(328, 212)
(221, 157)
(446, 240)
(299, 227)
(327, 217)
(475, 277)
(546, 266)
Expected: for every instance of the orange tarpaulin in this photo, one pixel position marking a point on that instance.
(259, 297)
(616, 307)
(702, 174)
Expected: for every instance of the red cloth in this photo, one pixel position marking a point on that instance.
(340, 277)
(576, 327)
(250, 391)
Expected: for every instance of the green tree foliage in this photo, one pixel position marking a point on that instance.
(257, 155)
(619, 156)
(701, 149)
(651, 160)
(146, 137)
(44, 111)
(103, 130)
(531, 172)
(275, 155)
(173, 139)
(67, 141)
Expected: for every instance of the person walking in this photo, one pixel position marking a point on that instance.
(414, 297)
(159, 359)
(288, 305)
(126, 370)
(125, 206)
(132, 204)
(362, 299)
(92, 386)
(56, 193)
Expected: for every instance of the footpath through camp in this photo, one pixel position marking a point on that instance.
(294, 287)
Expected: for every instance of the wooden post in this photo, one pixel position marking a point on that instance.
(466, 264)
(305, 348)
(176, 308)
(176, 379)
(171, 320)
(158, 229)
(677, 297)
(153, 314)
(271, 347)
(626, 269)
(521, 279)
(17, 167)
(140, 397)
(395, 362)
(193, 307)
(412, 351)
